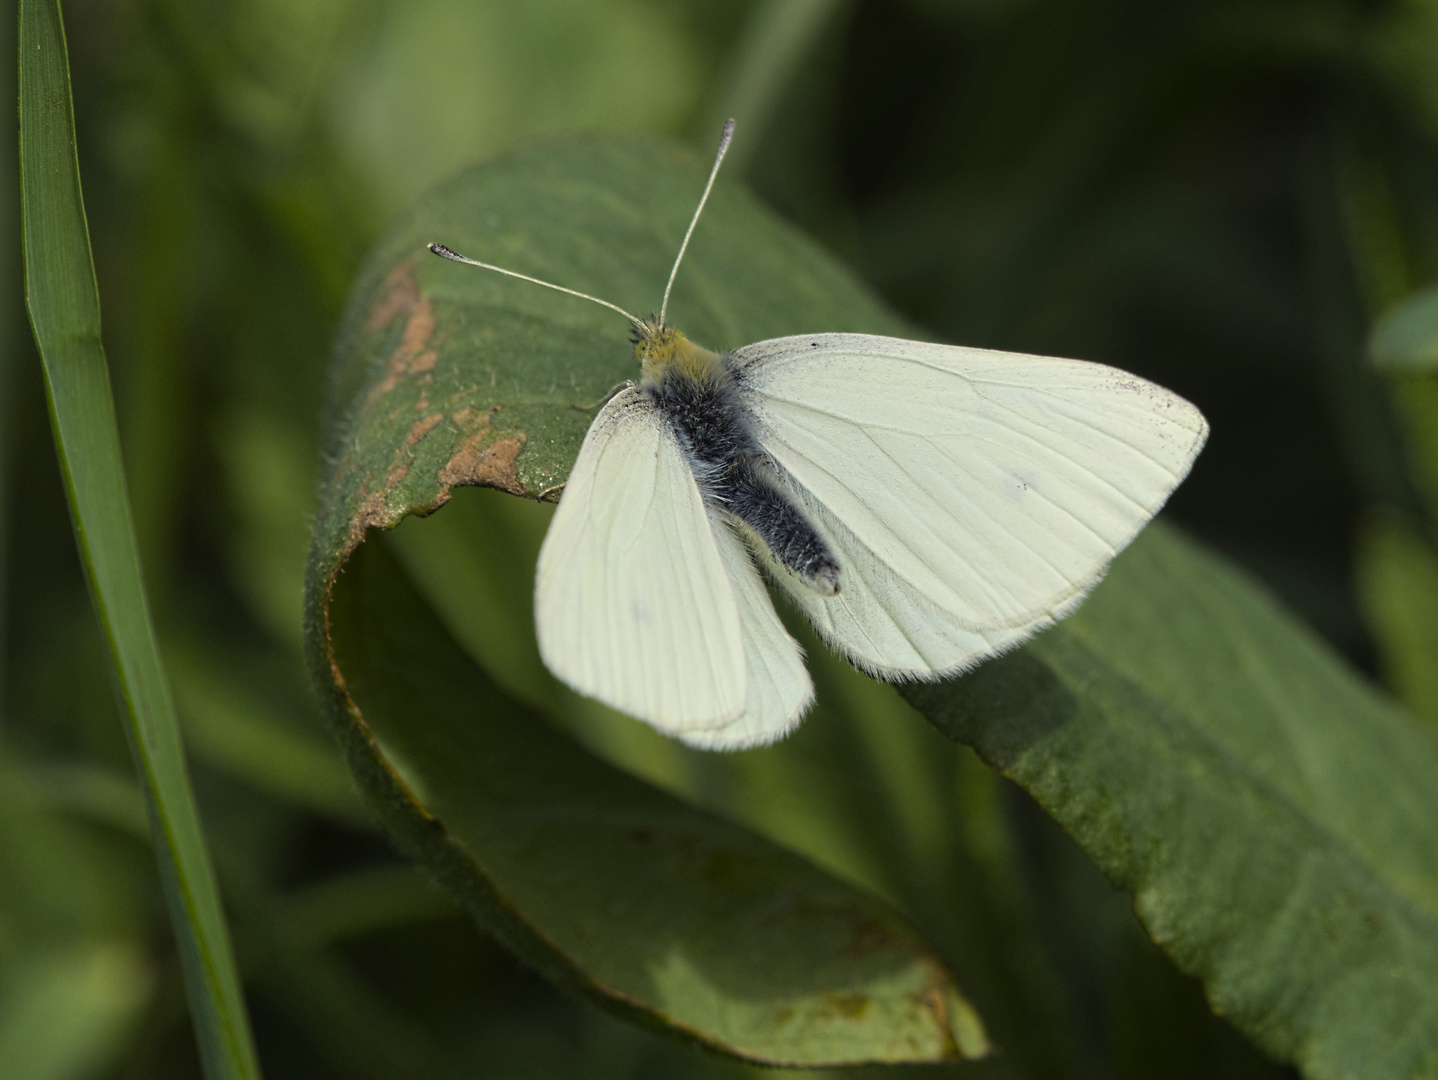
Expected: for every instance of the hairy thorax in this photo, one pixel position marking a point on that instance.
(695, 392)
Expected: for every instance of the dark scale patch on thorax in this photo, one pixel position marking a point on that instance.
(708, 417)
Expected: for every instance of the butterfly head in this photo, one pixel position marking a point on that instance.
(664, 353)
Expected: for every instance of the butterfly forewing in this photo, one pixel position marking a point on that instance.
(994, 488)
(634, 604)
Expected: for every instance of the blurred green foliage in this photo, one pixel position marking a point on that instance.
(1226, 196)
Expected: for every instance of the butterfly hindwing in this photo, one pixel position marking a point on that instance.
(878, 620)
(779, 688)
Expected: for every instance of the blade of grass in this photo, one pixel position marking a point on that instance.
(64, 307)
(10, 345)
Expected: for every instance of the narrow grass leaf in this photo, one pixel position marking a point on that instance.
(64, 308)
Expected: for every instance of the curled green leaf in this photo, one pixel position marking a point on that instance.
(447, 376)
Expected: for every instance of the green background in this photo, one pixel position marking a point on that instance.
(1234, 199)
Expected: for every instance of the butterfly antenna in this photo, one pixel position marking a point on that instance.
(724, 140)
(454, 256)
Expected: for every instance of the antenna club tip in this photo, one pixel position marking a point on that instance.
(444, 252)
(728, 132)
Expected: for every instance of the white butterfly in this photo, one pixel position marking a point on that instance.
(925, 506)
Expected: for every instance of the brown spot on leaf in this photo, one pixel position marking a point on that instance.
(474, 465)
(845, 1006)
(934, 999)
(474, 420)
(372, 514)
(375, 511)
(397, 296)
(412, 354)
(417, 330)
(935, 1002)
(421, 428)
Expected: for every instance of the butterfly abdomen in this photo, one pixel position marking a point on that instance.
(751, 496)
(707, 415)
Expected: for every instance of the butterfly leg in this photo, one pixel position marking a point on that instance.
(606, 399)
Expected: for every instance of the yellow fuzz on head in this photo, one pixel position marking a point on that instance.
(664, 352)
